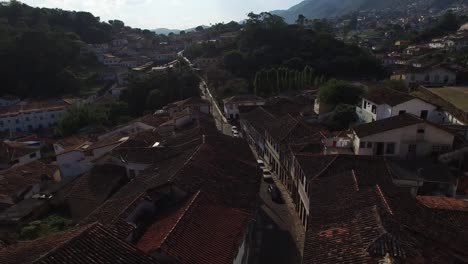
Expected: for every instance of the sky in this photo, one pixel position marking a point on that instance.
(173, 14)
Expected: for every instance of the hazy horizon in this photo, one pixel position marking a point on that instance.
(173, 14)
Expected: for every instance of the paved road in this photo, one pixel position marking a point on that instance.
(276, 242)
(221, 123)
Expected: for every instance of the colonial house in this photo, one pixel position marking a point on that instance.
(80, 159)
(380, 103)
(109, 60)
(14, 154)
(433, 75)
(32, 115)
(451, 99)
(232, 104)
(8, 100)
(352, 197)
(405, 136)
(192, 104)
(25, 181)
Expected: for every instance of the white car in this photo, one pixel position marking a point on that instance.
(267, 175)
(261, 164)
(235, 134)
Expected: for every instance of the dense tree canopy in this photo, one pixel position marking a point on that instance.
(267, 42)
(40, 49)
(335, 92)
(149, 92)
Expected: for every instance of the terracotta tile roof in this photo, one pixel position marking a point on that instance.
(84, 244)
(153, 120)
(190, 101)
(12, 150)
(34, 106)
(93, 188)
(114, 211)
(158, 232)
(387, 124)
(72, 142)
(358, 216)
(443, 203)
(259, 119)
(14, 180)
(218, 160)
(242, 98)
(207, 233)
(380, 95)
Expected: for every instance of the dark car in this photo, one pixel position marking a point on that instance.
(275, 193)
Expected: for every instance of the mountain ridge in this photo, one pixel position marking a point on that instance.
(313, 9)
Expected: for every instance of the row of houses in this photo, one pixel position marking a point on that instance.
(143, 194)
(338, 179)
(31, 115)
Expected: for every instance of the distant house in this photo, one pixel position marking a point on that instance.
(14, 154)
(119, 42)
(380, 103)
(232, 104)
(24, 181)
(92, 189)
(452, 99)
(193, 104)
(8, 100)
(79, 159)
(404, 136)
(109, 59)
(32, 115)
(433, 75)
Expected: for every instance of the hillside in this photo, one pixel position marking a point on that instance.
(332, 8)
(40, 49)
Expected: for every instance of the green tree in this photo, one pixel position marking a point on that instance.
(336, 92)
(155, 100)
(199, 28)
(234, 61)
(343, 116)
(301, 20)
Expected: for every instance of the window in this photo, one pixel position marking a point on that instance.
(413, 77)
(364, 104)
(374, 109)
(369, 145)
(424, 114)
(427, 78)
(440, 148)
(27, 118)
(390, 149)
(446, 79)
(131, 173)
(1, 123)
(362, 145)
(52, 115)
(32, 155)
(17, 121)
(402, 112)
(412, 148)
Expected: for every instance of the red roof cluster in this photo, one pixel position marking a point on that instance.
(84, 244)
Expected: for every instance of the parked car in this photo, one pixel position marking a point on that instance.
(234, 128)
(274, 192)
(267, 175)
(235, 134)
(261, 164)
